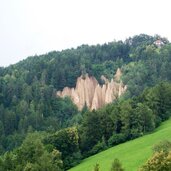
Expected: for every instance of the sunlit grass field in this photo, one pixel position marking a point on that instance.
(132, 154)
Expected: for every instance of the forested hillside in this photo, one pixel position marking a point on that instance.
(28, 101)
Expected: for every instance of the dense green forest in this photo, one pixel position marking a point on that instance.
(30, 109)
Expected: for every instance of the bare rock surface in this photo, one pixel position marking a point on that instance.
(88, 91)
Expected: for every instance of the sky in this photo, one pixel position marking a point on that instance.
(33, 27)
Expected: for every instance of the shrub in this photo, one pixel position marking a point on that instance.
(116, 166)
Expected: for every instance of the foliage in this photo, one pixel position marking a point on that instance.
(96, 167)
(164, 146)
(28, 100)
(96, 126)
(116, 165)
(100, 146)
(28, 88)
(67, 142)
(160, 161)
(125, 120)
(116, 139)
(31, 155)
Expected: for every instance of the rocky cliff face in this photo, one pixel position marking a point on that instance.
(88, 91)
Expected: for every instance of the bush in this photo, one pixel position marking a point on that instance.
(116, 139)
(100, 146)
(160, 161)
(164, 146)
(96, 167)
(116, 166)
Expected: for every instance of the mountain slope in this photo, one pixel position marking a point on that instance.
(132, 154)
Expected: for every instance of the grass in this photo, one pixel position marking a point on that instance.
(132, 154)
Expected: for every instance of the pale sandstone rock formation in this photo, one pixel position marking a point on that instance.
(88, 91)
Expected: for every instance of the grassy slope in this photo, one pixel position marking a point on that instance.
(132, 154)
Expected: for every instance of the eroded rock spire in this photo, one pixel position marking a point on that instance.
(88, 91)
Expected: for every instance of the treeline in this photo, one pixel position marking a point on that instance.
(28, 89)
(32, 155)
(125, 120)
(150, 66)
(116, 123)
(28, 100)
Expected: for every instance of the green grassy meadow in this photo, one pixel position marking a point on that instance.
(132, 154)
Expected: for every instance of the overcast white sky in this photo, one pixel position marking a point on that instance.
(29, 27)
